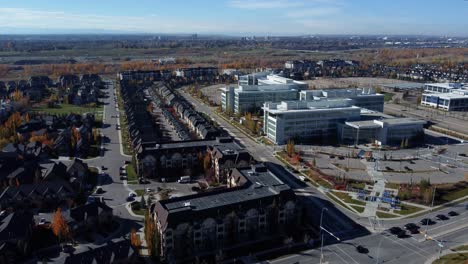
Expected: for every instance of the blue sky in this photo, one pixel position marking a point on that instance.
(237, 17)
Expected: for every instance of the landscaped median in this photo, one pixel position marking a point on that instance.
(125, 140)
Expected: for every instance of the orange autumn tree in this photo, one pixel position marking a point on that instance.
(134, 239)
(60, 227)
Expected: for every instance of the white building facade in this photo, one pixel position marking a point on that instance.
(446, 96)
(314, 121)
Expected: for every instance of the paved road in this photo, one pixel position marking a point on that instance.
(115, 191)
(349, 227)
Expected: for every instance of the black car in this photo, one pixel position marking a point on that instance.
(103, 168)
(395, 230)
(427, 221)
(452, 213)
(410, 226)
(414, 230)
(401, 234)
(442, 217)
(362, 249)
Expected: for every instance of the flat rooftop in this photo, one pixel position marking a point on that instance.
(260, 185)
(404, 86)
(460, 94)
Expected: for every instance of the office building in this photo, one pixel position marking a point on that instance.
(255, 89)
(309, 121)
(391, 132)
(256, 208)
(446, 96)
(362, 97)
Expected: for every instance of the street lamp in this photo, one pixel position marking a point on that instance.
(321, 234)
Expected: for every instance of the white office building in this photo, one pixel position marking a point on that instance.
(255, 89)
(446, 96)
(362, 97)
(308, 121)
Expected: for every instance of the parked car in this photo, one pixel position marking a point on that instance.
(103, 168)
(132, 194)
(99, 190)
(184, 179)
(148, 190)
(42, 221)
(452, 213)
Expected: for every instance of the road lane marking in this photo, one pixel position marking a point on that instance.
(417, 252)
(346, 254)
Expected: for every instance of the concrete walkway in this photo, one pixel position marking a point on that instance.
(379, 188)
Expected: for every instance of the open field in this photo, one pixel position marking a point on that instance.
(364, 82)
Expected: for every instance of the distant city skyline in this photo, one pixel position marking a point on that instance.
(237, 17)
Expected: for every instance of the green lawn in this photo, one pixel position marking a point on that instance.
(67, 109)
(347, 199)
(453, 259)
(123, 125)
(360, 209)
(385, 215)
(388, 96)
(454, 194)
(131, 173)
(139, 192)
(137, 209)
(460, 248)
(338, 201)
(408, 209)
(357, 185)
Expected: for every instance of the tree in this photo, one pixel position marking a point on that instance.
(135, 239)
(207, 162)
(143, 202)
(60, 227)
(152, 237)
(290, 148)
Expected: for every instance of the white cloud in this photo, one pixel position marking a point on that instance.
(263, 4)
(313, 12)
(58, 20)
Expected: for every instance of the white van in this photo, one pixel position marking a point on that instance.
(184, 179)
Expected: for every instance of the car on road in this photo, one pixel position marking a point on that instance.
(427, 221)
(132, 194)
(117, 127)
(123, 177)
(411, 226)
(129, 199)
(402, 234)
(452, 213)
(395, 230)
(442, 217)
(103, 168)
(127, 162)
(149, 190)
(362, 249)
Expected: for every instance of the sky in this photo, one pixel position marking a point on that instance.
(237, 17)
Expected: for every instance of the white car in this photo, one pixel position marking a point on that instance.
(148, 190)
(42, 221)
